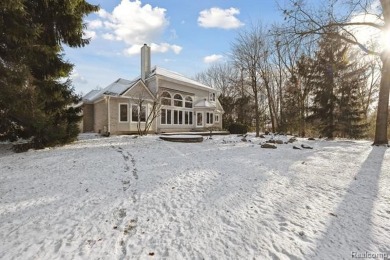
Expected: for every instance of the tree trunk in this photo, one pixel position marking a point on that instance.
(257, 114)
(271, 108)
(383, 102)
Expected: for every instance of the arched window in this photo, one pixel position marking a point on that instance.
(166, 99)
(177, 100)
(188, 102)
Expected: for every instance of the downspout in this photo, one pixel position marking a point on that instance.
(108, 116)
(158, 118)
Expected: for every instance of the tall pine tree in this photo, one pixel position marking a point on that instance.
(335, 109)
(31, 56)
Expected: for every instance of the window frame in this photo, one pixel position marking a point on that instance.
(166, 99)
(138, 113)
(212, 96)
(119, 112)
(177, 100)
(167, 116)
(209, 118)
(190, 101)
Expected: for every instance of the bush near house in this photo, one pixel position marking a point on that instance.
(238, 128)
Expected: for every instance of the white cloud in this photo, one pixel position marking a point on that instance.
(212, 58)
(89, 34)
(157, 48)
(77, 78)
(135, 24)
(108, 36)
(219, 18)
(104, 14)
(95, 24)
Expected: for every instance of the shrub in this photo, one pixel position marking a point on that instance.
(238, 128)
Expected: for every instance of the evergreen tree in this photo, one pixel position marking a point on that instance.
(296, 95)
(32, 60)
(335, 109)
(351, 113)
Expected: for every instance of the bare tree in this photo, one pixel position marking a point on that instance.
(147, 112)
(225, 78)
(268, 80)
(347, 17)
(247, 54)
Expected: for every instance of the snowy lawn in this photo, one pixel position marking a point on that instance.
(145, 198)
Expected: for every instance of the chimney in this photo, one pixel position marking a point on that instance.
(145, 61)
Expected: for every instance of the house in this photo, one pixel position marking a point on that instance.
(180, 104)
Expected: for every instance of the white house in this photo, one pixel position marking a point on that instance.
(183, 104)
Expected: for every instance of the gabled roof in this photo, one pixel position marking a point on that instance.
(178, 77)
(120, 86)
(91, 94)
(116, 88)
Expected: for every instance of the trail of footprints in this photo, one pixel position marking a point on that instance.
(126, 226)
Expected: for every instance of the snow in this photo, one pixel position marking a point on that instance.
(176, 76)
(143, 198)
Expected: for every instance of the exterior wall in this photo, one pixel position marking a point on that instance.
(116, 126)
(197, 95)
(152, 85)
(100, 116)
(88, 118)
(130, 126)
(104, 114)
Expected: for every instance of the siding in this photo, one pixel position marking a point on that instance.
(100, 116)
(129, 126)
(88, 118)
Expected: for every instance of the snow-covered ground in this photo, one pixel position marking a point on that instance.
(143, 198)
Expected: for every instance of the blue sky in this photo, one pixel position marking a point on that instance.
(185, 36)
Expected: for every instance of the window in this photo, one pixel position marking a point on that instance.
(142, 114)
(187, 117)
(209, 118)
(137, 115)
(166, 116)
(134, 113)
(212, 97)
(163, 116)
(123, 113)
(169, 116)
(199, 120)
(216, 118)
(188, 102)
(175, 117)
(166, 99)
(177, 100)
(180, 117)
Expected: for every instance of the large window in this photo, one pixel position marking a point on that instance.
(177, 100)
(166, 116)
(188, 102)
(123, 113)
(166, 99)
(199, 119)
(137, 114)
(209, 118)
(175, 117)
(188, 118)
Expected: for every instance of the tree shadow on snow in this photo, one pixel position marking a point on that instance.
(349, 229)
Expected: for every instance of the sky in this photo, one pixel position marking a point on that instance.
(185, 36)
